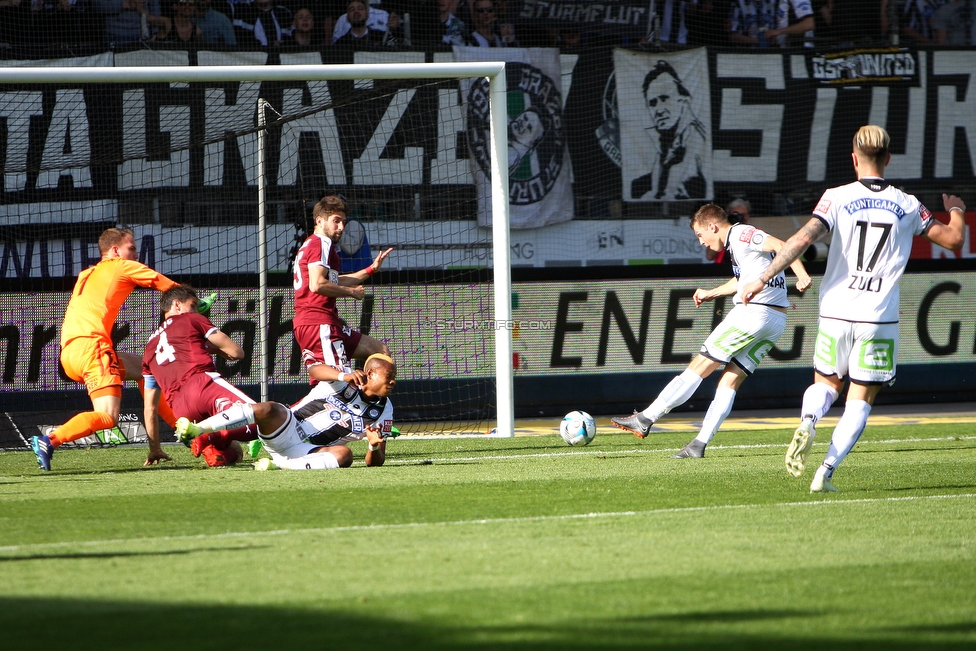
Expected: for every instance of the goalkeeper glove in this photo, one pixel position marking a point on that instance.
(203, 307)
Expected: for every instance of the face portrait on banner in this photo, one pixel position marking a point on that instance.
(663, 102)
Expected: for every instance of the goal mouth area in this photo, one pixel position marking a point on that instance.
(191, 184)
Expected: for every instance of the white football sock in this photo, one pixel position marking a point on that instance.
(237, 415)
(678, 391)
(817, 400)
(314, 461)
(716, 414)
(847, 432)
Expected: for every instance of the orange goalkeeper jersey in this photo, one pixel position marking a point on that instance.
(100, 292)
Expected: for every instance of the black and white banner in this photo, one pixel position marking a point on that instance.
(539, 170)
(618, 17)
(665, 125)
(752, 122)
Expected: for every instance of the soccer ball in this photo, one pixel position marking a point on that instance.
(577, 428)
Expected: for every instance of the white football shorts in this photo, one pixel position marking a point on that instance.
(288, 440)
(868, 352)
(747, 334)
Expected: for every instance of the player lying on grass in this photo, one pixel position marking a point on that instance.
(743, 338)
(312, 434)
(87, 352)
(178, 364)
(873, 225)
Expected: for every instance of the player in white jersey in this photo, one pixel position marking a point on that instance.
(873, 225)
(312, 435)
(743, 338)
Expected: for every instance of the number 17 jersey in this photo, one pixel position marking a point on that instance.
(873, 225)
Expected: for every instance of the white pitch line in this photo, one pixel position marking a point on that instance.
(478, 522)
(598, 452)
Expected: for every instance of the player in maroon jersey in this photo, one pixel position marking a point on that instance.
(178, 362)
(327, 344)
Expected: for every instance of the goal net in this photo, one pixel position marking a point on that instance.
(216, 168)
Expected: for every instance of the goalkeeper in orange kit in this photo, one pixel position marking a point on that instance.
(87, 353)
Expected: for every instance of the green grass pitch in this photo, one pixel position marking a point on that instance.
(517, 544)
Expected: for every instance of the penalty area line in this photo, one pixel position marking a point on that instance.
(239, 535)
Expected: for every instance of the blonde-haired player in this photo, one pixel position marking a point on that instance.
(87, 352)
(873, 225)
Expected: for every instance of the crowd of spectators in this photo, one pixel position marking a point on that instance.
(440, 24)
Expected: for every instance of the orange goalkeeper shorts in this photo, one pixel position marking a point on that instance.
(93, 362)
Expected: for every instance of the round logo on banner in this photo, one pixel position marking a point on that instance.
(535, 132)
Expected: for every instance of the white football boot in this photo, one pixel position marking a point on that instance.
(796, 454)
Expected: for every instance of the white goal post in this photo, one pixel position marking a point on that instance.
(494, 71)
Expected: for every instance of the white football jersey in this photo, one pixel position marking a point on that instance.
(873, 226)
(745, 247)
(335, 413)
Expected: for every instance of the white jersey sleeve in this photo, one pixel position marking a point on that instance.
(336, 413)
(873, 225)
(749, 261)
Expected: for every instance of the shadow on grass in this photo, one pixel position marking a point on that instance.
(45, 624)
(120, 554)
(961, 627)
(702, 617)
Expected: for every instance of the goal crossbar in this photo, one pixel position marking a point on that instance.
(493, 70)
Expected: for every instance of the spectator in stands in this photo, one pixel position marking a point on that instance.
(325, 13)
(483, 34)
(131, 21)
(950, 23)
(706, 22)
(183, 29)
(217, 27)
(376, 19)
(58, 21)
(360, 35)
(765, 23)
(848, 23)
(303, 29)
(915, 26)
(452, 27)
(265, 22)
(15, 18)
(666, 23)
(570, 40)
(230, 8)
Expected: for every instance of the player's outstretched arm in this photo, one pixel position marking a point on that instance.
(150, 416)
(361, 276)
(803, 279)
(725, 289)
(952, 235)
(791, 250)
(143, 276)
(347, 287)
